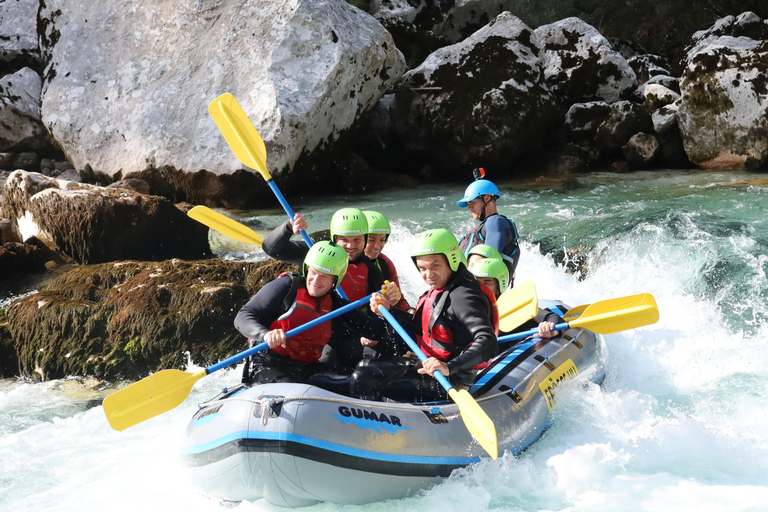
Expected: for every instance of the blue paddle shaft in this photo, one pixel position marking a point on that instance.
(288, 209)
(291, 216)
(414, 347)
(520, 335)
(293, 332)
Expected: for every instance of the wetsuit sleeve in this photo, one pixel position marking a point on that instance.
(278, 245)
(470, 312)
(253, 319)
(544, 315)
(375, 278)
(496, 228)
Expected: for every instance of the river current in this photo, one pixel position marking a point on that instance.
(679, 423)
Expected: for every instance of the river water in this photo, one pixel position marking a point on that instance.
(679, 423)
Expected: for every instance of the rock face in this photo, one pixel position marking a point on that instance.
(479, 102)
(581, 65)
(125, 320)
(92, 224)
(18, 28)
(302, 70)
(20, 124)
(723, 115)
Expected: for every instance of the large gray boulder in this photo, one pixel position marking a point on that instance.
(20, 124)
(18, 31)
(127, 85)
(581, 65)
(92, 224)
(723, 115)
(479, 102)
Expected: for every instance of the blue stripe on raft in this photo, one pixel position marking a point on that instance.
(325, 445)
(522, 347)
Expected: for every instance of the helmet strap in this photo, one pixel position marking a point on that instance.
(482, 212)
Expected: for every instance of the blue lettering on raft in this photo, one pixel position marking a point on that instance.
(365, 419)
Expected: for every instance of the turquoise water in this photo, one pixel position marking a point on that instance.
(679, 423)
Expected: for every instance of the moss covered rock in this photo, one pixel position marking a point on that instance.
(124, 320)
(92, 224)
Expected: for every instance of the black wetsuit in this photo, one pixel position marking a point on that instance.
(346, 346)
(544, 315)
(467, 314)
(272, 302)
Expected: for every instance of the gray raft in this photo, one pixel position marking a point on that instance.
(295, 445)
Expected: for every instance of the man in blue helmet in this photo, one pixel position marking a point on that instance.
(494, 229)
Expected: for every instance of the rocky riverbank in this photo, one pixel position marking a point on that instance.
(105, 139)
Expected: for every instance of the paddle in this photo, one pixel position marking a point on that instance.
(476, 420)
(166, 389)
(517, 306)
(606, 316)
(224, 225)
(247, 145)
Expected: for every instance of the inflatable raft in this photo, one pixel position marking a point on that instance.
(295, 445)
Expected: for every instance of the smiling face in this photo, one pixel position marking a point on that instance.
(354, 245)
(434, 269)
(375, 245)
(319, 283)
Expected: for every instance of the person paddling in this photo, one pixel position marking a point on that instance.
(455, 321)
(494, 229)
(378, 234)
(493, 273)
(292, 300)
(349, 229)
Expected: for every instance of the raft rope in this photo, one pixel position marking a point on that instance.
(267, 403)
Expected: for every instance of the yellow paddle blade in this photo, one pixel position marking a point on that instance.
(149, 397)
(517, 306)
(574, 313)
(242, 137)
(477, 421)
(614, 315)
(224, 225)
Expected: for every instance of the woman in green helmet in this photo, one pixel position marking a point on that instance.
(455, 323)
(493, 273)
(292, 300)
(378, 234)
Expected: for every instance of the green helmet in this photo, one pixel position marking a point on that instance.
(348, 222)
(495, 268)
(486, 251)
(438, 241)
(329, 258)
(377, 223)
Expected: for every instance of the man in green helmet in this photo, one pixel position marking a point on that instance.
(349, 229)
(493, 273)
(292, 300)
(455, 323)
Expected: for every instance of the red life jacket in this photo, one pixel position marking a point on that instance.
(355, 282)
(308, 345)
(436, 339)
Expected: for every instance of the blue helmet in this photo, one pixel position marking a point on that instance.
(476, 189)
